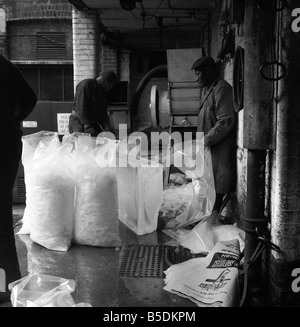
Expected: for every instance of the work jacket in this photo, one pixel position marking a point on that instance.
(90, 104)
(217, 119)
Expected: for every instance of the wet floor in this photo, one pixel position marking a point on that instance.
(96, 270)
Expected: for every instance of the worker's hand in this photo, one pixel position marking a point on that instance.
(91, 131)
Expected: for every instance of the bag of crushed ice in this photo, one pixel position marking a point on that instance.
(52, 197)
(49, 141)
(96, 203)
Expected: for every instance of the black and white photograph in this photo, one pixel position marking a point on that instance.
(150, 157)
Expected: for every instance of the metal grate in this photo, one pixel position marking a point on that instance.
(51, 46)
(151, 260)
(21, 188)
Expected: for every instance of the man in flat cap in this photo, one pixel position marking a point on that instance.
(217, 120)
(89, 111)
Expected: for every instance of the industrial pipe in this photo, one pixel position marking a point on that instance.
(142, 84)
(285, 221)
(257, 132)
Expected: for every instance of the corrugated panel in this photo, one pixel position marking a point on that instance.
(51, 46)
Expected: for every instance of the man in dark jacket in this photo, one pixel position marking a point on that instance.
(17, 100)
(89, 112)
(217, 119)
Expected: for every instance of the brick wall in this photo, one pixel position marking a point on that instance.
(29, 9)
(124, 60)
(109, 59)
(86, 45)
(23, 40)
(25, 18)
(3, 39)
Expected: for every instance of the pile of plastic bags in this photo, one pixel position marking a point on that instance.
(39, 290)
(71, 192)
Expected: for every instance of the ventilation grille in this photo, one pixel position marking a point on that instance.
(151, 260)
(21, 189)
(51, 46)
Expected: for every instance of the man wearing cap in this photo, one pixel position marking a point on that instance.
(217, 120)
(89, 111)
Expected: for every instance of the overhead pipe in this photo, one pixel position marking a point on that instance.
(79, 5)
(187, 8)
(142, 84)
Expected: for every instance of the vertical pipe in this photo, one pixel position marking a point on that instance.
(256, 165)
(285, 229)
(257, 132)
(258, 113)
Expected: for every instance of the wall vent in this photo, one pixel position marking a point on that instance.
(51, 46)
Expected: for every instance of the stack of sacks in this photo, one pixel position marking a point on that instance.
(70, 196)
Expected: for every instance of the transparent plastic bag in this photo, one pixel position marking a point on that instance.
(140, 193)
(199, 198)
(53, 194)
(83, 141)
(96, 201)
(208, 232)
(46, 142)
(39, 290)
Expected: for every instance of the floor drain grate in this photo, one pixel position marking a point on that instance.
(150, 260)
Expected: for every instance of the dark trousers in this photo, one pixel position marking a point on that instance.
(218, 202)
(11, 150)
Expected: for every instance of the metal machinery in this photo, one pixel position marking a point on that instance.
(119, 112)
(178, 107)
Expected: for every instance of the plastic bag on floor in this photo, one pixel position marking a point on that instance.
(209, 282)
(38, 290)
(47, 142)
(53, 194)
(96, 201)
(204, 236)
(193, 201)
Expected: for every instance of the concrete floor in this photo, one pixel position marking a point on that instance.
(96, 271)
